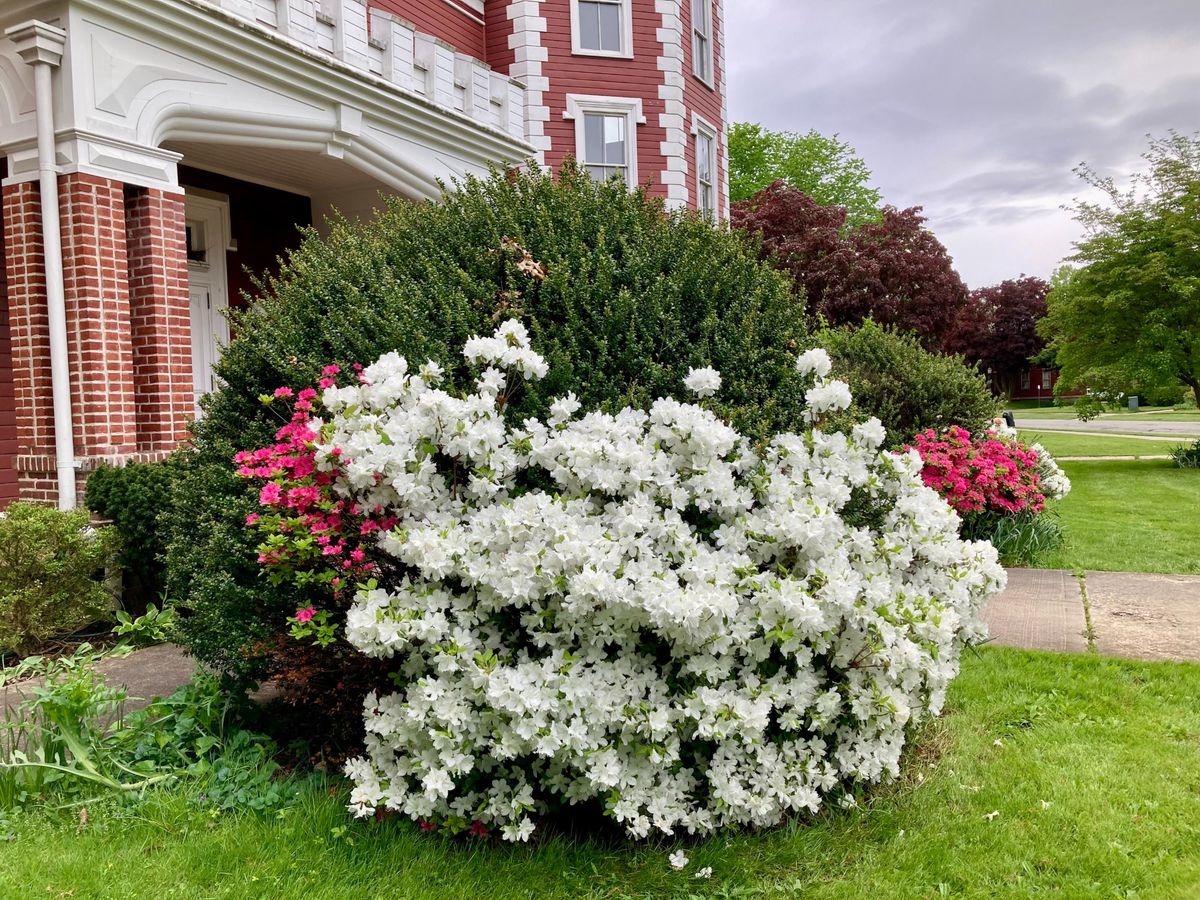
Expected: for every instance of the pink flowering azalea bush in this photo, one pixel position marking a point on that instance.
(641, 612)
(997, 484)
(989, 474)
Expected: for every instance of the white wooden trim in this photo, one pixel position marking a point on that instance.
(626, 51)
(701, 126)
(711, 80)
(578, 105)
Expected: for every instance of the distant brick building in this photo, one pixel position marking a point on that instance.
(184, 140)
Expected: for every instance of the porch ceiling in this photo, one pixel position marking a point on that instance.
(297, 171)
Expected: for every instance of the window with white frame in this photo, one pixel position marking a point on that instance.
(1047, 379)
(702, 40)
(606, 135)
(602, 27)
(706, 170)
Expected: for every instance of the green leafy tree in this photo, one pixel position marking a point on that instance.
(825, 168)
(1126, 314)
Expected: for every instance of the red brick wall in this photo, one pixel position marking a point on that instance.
(160, 318)
(8, 409)
(451, 21)
(638, 77)
(96, 278)
(30, 340)
(96, 283)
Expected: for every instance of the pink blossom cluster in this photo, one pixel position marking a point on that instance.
(990, 474)
(309, 534)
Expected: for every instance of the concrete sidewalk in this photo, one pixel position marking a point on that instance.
(1127, 614)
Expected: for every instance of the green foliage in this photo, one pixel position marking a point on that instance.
(132, 496)
(51, 574)
(70, 737)
(621, 298)
(1187, 456)
(909, 388)
(825, 168)
(155, 626)
(1021, 540)
(1126, 316)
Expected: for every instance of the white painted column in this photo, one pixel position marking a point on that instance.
(41, 46)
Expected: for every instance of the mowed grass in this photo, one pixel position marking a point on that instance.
(1050, 775)
(1147, 414)
(1129, 516)
(1060, 444)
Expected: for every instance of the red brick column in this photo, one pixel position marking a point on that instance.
(100, 353)
(26, 284)
(160, 317)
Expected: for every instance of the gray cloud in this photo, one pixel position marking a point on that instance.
(977, 110)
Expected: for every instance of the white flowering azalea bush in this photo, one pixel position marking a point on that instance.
(639, 610)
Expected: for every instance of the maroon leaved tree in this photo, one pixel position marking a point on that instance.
(999, 329)
(893, 271)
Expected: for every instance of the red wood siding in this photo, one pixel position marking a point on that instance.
(699, 98)
(638, 77)
(455, 23)
(8, 408)
(498, 29)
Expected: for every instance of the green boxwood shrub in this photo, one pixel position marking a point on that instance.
(621, 298)
(133, 496)
(909, 388)
(52, 567)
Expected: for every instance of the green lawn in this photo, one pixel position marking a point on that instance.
(1129, 516)
(1064, 776)
(1098, 444)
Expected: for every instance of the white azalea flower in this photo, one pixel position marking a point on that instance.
(703, 382)
(814, 362)
(678, 860)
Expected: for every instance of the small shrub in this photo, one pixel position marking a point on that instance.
(1187, 456)
(155, 626)
(51, 574)
(1024, 540)
(132, 496)
(999, 487)
(906, 386)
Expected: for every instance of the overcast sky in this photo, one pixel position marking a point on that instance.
(975, 109)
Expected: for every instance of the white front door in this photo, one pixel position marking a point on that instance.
(208, 287)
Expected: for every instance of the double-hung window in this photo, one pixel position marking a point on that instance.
(606, 135)
(702, 40)
(706, 170)
(602, 27)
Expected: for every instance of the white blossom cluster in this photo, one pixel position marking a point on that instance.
(639, 609)
(1055, 483)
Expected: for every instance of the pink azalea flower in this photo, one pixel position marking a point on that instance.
(305, 615)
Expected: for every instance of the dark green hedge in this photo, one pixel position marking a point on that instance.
(133, 497)
(621, 297)
(909, 388)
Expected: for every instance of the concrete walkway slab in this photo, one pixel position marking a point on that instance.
(1040, 609)
(1142, 616)
(145, 674)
